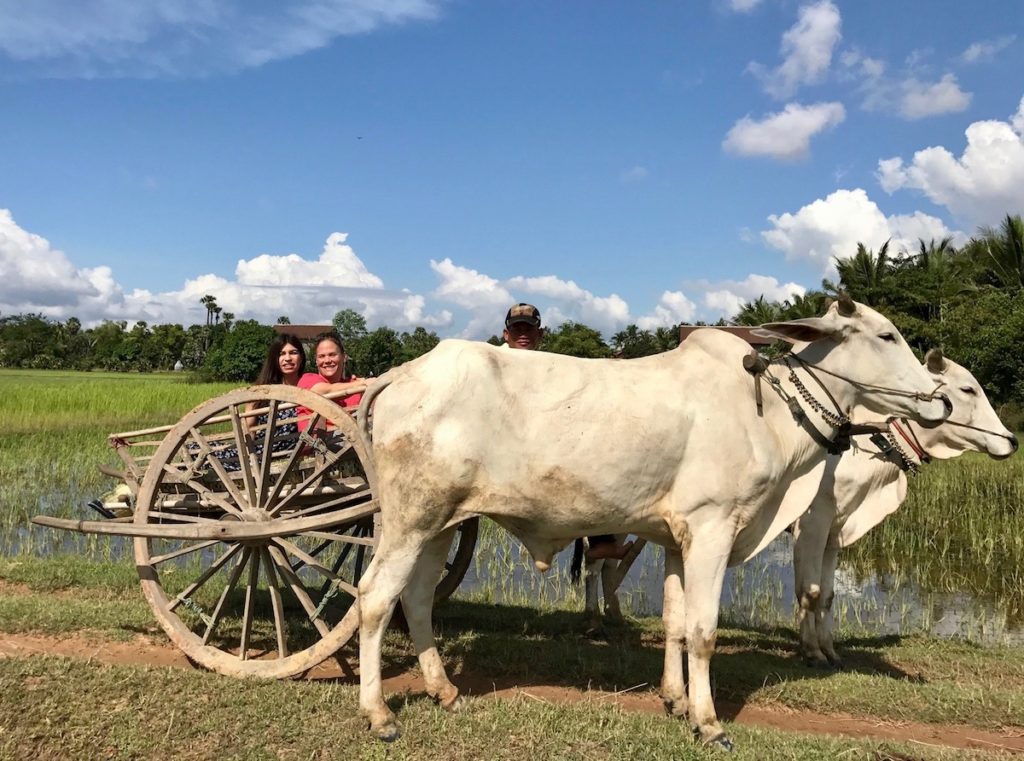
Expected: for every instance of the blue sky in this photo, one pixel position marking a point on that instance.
(429, 162)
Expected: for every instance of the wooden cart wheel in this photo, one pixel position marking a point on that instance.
(265, 607)
(459, 558)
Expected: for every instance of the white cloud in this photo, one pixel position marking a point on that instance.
(673, 308)
(785, 135)
(923, 99)
(742, 6)
(982, 185)
(40, 278)
(807, 49)
(605, 313)
(724, 299)
(100, 38)
(833, 226)
(635, 174)
(986, 50)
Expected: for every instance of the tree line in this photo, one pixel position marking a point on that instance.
(969, 300)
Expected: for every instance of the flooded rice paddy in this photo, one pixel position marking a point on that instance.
(949, 562)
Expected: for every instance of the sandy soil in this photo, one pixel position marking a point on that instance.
(150, 651)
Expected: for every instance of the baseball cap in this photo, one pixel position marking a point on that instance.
(527, 313)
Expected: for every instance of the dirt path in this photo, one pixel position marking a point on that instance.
(149, 651)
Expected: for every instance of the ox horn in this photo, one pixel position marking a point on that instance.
(935, 361)
(847, 306)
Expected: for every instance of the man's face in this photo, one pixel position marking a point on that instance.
(522, 335)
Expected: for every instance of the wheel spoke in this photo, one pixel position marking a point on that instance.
(216, 566)
(250, 598)
(205, 491)
(320, 507)
(315, 564)
(244, 459)
(218, 467)
(299, 591)
(268, 453)
(275, 603)
(329, 462)
(183, 551)
(219, 609)
(292, 459)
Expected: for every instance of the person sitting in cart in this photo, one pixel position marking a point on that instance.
(332, 375)
(523, 331)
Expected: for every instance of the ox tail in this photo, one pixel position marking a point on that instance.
(576, 567)
(369, 397)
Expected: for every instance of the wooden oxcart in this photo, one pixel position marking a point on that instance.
(253, 520)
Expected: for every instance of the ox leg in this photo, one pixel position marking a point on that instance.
(811, 534)
(384, 580)
(673, 683)
(704, 572)
(591, 582)
(417, 604)
(825, 621)
(610, 590)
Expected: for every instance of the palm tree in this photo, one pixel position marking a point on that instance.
(1002, 251)
(810, 304)
(758, 312)
(865, 275)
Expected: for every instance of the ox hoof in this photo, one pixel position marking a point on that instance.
(595, 631)
(454, 705)
(817, 662)
(675, 708)
(387, 732)
(722, 742)
(835, 661)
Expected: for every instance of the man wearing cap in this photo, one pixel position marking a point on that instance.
(523, 331)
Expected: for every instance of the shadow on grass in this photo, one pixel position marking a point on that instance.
(491, 647)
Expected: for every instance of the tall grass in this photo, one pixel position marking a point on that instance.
(53, 434)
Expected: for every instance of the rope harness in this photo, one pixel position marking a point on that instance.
(760, 366)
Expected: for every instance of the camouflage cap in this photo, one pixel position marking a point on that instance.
(521, 312)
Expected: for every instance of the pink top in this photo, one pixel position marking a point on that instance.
(308, 380)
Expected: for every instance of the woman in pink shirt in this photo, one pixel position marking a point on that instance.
(331, 377)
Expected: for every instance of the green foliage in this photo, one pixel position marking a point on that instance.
(575, 339)
(240, 354)
(377, 353)
(633, 342)
(351, 326)
(417, 343)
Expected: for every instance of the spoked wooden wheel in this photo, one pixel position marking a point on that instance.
(291, 501)
(459, 558)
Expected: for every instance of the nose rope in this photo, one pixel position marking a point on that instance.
(920, 396)
(1008, 437)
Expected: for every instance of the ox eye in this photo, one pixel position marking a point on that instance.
(887, 337)
(969, 391)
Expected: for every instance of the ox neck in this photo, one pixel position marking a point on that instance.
(801, 390)
(901, 444)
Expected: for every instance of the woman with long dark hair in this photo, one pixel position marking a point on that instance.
(285, 362)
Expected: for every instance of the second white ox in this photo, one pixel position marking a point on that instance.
(867, 484)
(670, 448)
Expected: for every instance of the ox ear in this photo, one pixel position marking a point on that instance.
(847, 307)
(804, 331)
(935, 361)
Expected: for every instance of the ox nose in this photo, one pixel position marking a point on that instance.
(947, 410)
(1013, 442)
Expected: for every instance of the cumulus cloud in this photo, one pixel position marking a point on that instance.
(981, 185)
(986, 50)
(833, 226)
(742, 6)
(606, 313)
(40, 278)
(785, 135)
(923, 99)
(101, 38)
(635, 174)
(807, 49)
(724, 298)
(673, 308)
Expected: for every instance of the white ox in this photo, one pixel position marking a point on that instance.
(670, 448)
(866, 485)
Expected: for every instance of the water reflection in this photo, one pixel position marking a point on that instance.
(758, 593)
